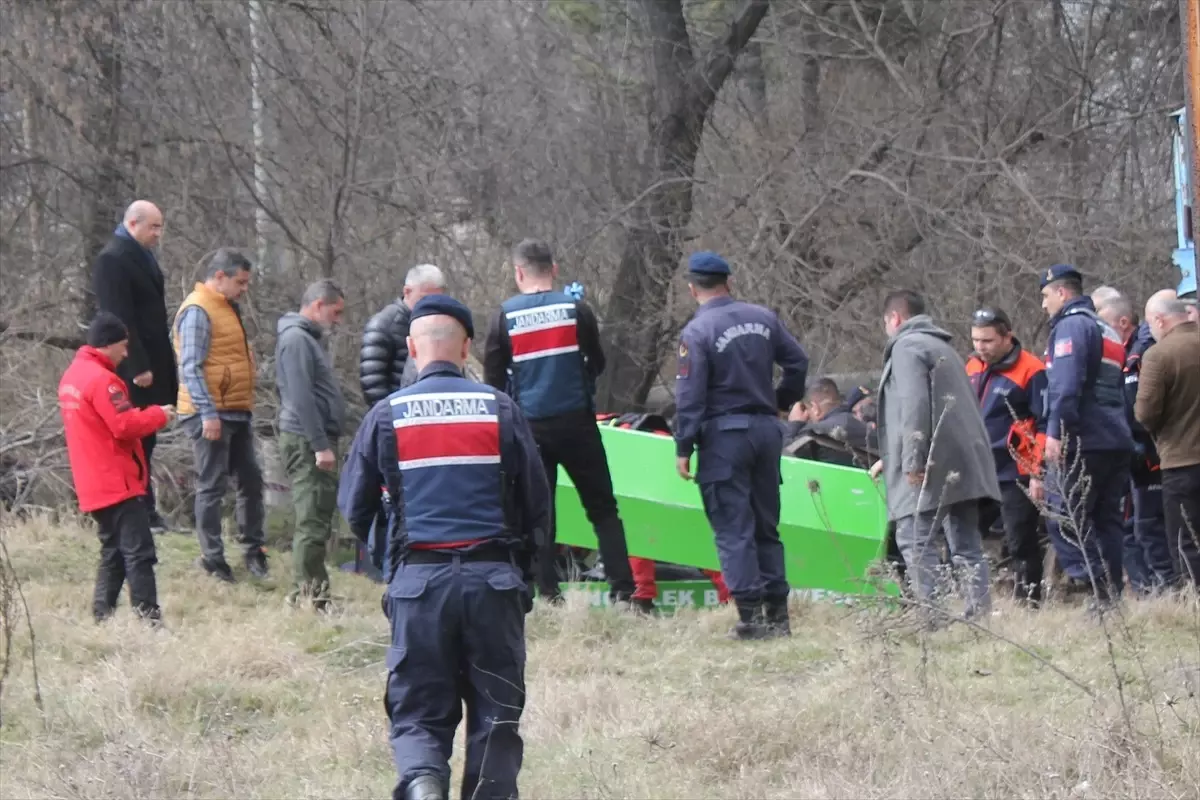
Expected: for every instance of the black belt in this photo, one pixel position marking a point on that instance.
(486, 552)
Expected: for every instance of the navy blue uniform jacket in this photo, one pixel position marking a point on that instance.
(372, 462)
(1085, 399)
(727, 354)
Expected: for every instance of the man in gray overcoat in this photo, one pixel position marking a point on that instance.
(936, 457)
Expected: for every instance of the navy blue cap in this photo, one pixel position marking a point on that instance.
(1059, 272)
(707, 262)
(444, 305)
(857, 395)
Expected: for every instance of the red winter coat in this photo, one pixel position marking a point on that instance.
(104, 432)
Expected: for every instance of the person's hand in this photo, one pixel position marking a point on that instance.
(683, 465)
(1053, 450)
(916, 478)
(145, 379)
(326, 460)
(799, 413)
(211, 429)
(169, 411)
(876, 468)
(1037, 491)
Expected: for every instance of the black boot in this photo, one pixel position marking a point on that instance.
(1028, 582)
(424, 787)
(777, 619)
(752, 623)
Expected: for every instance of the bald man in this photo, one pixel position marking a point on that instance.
(127, 281)
(1168, 407)
(473, 503)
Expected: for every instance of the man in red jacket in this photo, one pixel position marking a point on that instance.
(108, 465)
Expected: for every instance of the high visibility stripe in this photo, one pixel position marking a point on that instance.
(544, 340)
(1113, 353)
(442, 442)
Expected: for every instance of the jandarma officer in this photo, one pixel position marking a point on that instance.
(472, 501)
(727, 410)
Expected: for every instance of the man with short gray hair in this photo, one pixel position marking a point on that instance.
(1147, 556)
(384, 354)
(383, 362)
(312, 415)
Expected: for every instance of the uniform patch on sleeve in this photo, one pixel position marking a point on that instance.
(1063, 347)
(118, 398)
(684, 361)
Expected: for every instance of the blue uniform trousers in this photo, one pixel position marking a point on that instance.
(1086, 521)
(738, 473)
(1147, 556)
(458, 636)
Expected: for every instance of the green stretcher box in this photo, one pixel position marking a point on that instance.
(833, 519)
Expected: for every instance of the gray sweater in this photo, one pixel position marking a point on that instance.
(310, 400)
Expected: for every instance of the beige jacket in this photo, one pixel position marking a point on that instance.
(1168, 396)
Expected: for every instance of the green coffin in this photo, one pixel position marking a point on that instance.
(833, 520)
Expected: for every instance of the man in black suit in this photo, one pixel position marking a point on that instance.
(127, 281)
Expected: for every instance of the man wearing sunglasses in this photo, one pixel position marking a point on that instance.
(1010, 384)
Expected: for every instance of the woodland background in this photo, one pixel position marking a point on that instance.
(831, 149)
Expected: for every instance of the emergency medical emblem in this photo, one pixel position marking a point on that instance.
(1063, 347)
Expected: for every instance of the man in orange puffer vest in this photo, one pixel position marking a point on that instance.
(216, 407)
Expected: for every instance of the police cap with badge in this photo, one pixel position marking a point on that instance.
(432, 305)
(1060, 272)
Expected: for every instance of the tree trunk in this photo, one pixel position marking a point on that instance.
(684, 91)
(104, 201)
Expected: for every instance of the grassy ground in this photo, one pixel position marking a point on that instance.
(243, 698)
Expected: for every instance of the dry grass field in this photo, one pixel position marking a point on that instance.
(244, 698)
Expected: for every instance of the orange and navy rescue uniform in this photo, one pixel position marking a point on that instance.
(1011, 396)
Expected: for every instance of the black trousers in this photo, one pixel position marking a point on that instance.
(148, 445)
(1022, 533)
(573, 440)
(126, 554)
(1181, 510)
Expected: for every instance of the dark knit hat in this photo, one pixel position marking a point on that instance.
(106, 329)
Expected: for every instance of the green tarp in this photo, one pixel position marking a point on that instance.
(833, 520)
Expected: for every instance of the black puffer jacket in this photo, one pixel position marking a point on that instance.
(384, 352)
